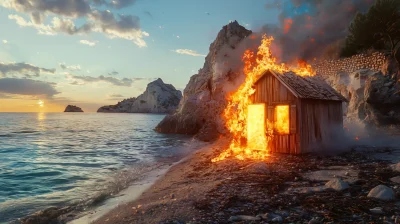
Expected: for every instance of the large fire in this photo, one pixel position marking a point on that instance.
(242, 120)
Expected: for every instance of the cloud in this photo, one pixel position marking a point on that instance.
(65, 13)
(28, 70)
(115, 97)
(70, 8)
(27, 87)
(70, 67)
(117, 4)
(5, 42)
(90, 79)
(87, 42)
(124, 26)
(188, 52)
(113, 73)
(148, 14)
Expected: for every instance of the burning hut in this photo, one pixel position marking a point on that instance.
(304, 111)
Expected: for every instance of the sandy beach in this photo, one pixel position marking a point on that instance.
(285, 188)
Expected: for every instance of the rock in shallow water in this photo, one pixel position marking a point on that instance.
(337, 184)
(382, 192)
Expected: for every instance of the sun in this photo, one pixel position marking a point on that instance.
(40, 103)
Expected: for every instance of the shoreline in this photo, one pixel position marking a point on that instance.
(132, 192)
(129, 194)
(285, 188)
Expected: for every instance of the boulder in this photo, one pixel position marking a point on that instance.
(382, 192)
(374, 98)
(396, 167)
(204, 97)
(395, 179)
(72, 108)
(337, 184)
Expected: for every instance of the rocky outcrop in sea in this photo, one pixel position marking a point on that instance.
(204, 97)
(158, 97)
(72, 108)
(121, 107)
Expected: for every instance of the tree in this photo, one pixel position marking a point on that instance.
(377, 29)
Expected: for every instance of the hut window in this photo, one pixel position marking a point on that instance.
(281, 121)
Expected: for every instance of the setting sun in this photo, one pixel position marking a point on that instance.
(40, 103)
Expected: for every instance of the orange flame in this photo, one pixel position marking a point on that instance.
(241, 120)
(287, 24)
(282, 119)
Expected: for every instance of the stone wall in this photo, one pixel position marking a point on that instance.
(373, 61)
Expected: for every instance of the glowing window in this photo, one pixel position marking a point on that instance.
(282, 119)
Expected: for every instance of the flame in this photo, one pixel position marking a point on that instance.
(239, 112)
(287, 24)
(282, 119)
(304, 69)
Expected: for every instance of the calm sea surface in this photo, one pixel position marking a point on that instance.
(50, 159)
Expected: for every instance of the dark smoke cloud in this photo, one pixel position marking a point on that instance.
(307, 27)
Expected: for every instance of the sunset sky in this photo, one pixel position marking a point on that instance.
(97, 52)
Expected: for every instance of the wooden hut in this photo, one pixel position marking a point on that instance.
(314, 110)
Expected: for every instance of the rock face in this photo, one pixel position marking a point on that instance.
(121, 107)
(72, 108)
(374, 98)
(204, 97)
(158, 98)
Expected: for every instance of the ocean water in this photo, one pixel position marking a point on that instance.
(53, 159)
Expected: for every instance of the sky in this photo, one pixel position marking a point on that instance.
(92, 53)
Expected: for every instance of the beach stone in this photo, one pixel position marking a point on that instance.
(376, 211)
(396, 167)
(260, 167)
(395, 179)
(382, 192)
(314, 221)
(337, 184)
(243, 218)
(277, 218)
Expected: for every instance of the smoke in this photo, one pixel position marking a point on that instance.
(307, 27)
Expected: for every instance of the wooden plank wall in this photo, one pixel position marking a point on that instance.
(320, 120)
(271, 92)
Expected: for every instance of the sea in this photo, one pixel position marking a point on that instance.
(58, 159)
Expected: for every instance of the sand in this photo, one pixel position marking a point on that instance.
(196, 190)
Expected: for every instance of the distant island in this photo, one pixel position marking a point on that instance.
(158, 97)
(72, 108)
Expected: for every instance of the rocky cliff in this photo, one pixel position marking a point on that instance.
(157, 98)
(72, 108)
(121, 107)
(374, 95)
(204, 97)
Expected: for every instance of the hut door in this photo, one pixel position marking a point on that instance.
(256, 126)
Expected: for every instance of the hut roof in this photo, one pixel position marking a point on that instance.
(307, 87)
